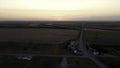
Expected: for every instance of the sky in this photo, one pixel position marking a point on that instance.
(60, 10)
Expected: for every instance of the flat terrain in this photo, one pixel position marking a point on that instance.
(41, 35)
(38, 40)
(102, 37)
(52, 39)
(44, 62)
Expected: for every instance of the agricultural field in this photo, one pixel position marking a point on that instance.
(44, 62)
(38, 40)
(41, 35)
(52, 39)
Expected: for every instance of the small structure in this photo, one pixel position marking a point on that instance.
(72, 47)
(24, 57)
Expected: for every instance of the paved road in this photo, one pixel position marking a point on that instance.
(16, 54)
(64, 63)
(83, 56)
(85, 52)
